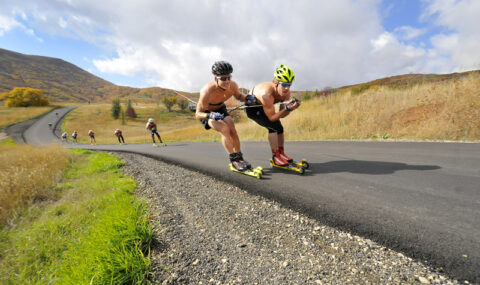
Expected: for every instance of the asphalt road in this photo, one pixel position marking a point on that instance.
(420, 198)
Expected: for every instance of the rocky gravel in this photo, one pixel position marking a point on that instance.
(207, 231)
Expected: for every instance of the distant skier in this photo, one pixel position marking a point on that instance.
(74, 136)
(119, 135)
(64, 137)
(152, 128)
(91, 134)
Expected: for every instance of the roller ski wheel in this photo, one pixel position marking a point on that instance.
(256, 172)
(303, 163)
(297, 167)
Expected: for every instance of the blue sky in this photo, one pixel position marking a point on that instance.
(173, 44)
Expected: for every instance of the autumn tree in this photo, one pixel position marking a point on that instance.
(169, 102)
(130, 111)
(25, 97)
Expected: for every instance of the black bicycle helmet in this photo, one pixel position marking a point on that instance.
(221, 68)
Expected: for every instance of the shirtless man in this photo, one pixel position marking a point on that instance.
(152, 128)
(91, 134)
(267, 94)
(119, 135)
(212, 112)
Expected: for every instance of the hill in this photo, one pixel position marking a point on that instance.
(395, 82)
(60, 80)
(65, 82)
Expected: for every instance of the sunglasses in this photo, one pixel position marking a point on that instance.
(284, 84)
(225, 78)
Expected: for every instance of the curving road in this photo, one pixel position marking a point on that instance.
(416, 197)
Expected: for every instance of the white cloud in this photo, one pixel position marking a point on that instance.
(333, 42)
(409, 33)
(461, 42)
(7, 24)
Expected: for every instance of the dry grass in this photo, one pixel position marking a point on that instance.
(174, 126)
(436, 111)
(27, 174)
(9, 116)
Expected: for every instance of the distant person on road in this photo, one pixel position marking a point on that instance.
(152, 128)
(91, 134)
(119, 135)
(74, 136)
(267, 94)
(64, 137)
(212, 111)
(50, 126)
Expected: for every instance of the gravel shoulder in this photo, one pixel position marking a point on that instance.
(209, 232)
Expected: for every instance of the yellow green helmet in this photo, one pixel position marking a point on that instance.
(284, 74)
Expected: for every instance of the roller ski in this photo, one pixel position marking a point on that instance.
(281, 160)
(254, 172)
(238, 164)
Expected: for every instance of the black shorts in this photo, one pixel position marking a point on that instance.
(258, 115)
(222, 110)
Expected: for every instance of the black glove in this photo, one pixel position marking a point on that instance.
(215, 116)
(250, 100)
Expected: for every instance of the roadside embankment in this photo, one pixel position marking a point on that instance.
(90, 230)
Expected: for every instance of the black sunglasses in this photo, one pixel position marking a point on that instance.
(225, 78)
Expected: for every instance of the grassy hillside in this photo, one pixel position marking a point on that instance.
(64, 82)
(394, 82)
(446, 110)
(61, 81)
(9, 116)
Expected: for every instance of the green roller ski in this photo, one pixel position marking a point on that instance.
(297, 167)
(254, 172)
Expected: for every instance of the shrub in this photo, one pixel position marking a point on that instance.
(183, 104)
(26, 97)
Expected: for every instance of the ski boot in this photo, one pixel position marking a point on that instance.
(290, 160)
(279, 162)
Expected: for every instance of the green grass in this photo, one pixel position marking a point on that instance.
(97, 232)
(7, 141)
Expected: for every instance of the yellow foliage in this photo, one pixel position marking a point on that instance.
(25, 97)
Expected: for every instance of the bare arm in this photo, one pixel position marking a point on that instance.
(236, 92)
(269, 109)
(201, 106)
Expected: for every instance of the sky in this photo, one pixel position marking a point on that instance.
(173, 44)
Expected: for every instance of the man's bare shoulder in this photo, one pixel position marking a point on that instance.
(207, 89)
(264, 89)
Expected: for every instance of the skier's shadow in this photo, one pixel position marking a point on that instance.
(365, 167)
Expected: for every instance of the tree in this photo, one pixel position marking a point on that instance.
(169, 102)
(130, 111)
(183, 104)
(116, 108)
(25, 97)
